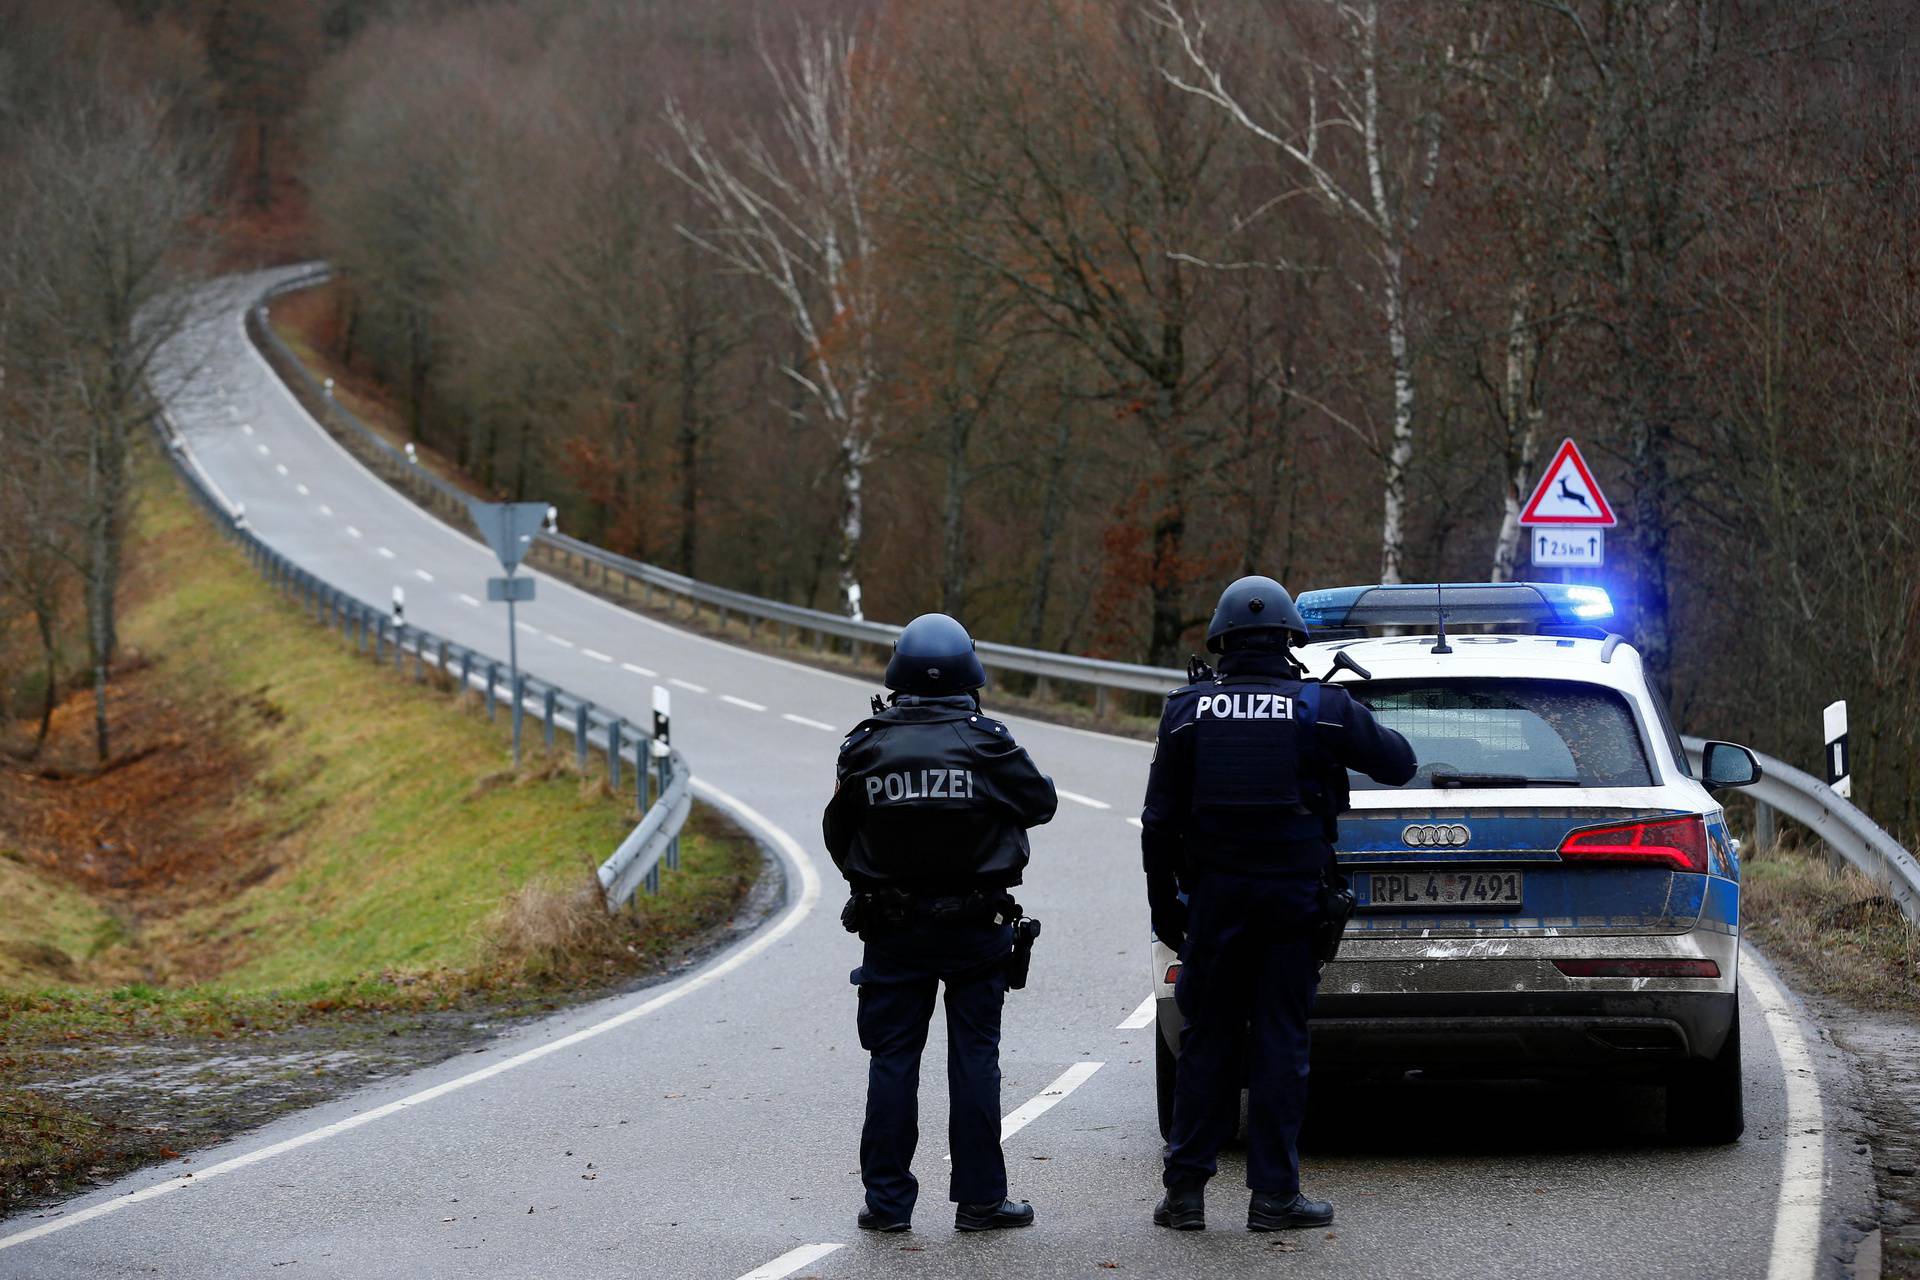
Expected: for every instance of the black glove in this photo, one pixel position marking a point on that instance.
(1168, 913)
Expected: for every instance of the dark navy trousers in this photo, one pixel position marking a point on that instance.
(1247, 981)
(898, 978)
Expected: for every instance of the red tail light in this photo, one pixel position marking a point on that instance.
(1173, 974)
(1638, 968)
(1676, 843)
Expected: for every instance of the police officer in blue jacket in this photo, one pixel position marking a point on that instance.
(928, 822)
(1248, 777)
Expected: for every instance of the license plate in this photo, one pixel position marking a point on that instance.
(1453, 890)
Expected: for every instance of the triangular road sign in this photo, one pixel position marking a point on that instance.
(1568, 494)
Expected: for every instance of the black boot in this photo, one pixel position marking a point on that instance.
(1183, 1208)
(1283, 1213)
(992, 1217)
(871, 1221)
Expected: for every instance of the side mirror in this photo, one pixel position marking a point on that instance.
(1727, 764)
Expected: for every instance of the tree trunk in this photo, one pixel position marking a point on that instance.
(1052, 506)
(43, 617)
(1651, 537)
(689, 442)
(853, 462)
(1521, 422)
(953, 574)
(1393, 532)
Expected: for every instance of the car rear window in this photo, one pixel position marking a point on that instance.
(1556, 732)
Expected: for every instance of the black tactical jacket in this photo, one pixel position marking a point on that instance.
(931, 796)
(1249, 773)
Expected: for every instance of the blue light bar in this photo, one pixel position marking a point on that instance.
(1498, 604)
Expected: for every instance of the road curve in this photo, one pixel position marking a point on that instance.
(709, 1128)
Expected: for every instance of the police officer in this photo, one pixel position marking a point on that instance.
(928, 823)
(1247, 779)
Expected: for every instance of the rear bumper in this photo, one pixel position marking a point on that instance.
(1501, 1007)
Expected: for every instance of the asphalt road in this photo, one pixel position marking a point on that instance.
(711, 1131)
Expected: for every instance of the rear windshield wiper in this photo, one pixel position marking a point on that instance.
(1499, 780)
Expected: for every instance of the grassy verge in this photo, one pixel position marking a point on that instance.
(1834, 930)
(298, 872)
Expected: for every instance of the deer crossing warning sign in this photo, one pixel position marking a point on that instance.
(1568, 495)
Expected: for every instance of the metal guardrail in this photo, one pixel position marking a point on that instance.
(1836, 820)
(1786, 789)
(661, 779)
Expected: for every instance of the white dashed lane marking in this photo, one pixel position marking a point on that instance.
(246, 428)
(564, 644)
(1077, 798)
(302, 489)
(1141, 1017)
(638, 671)
(353, 532)
(467, 599)
(532, 631)
(423, 575)
(742, 702)
(281, 467)
(597, 656)
(790, 1261)
(386, 553)
(264, 451)
(811, 724)
(325, 510)
(689, 687)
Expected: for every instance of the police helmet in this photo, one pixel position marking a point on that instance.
(1254, 606)
(934, 655)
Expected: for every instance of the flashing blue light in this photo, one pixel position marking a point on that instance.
(1498, 604)
(1589, 602)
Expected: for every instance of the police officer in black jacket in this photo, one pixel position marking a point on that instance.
(928, 823)
(1248, 777)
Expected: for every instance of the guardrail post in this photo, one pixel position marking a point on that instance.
(399, 646)
(819, 642)
(1100, 702)
(613, 755)
(783, 634)
(359, 616)
(442, 663)
(1764, 833)
(466, 670)
(580, 736)
(380, 639)
(673, 846)
(642, 775)
(547, 715)
(493, 678)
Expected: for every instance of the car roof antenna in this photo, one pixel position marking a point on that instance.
(1440, 607)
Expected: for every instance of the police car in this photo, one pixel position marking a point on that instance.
(1556, 890)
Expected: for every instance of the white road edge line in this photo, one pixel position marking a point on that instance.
(751, 817)
(1077, 798)
(1796, 1222)
(687, 685)
(811, 724)
(791, 1261)
(1141, 1017)
(743, 703)
(638, 671)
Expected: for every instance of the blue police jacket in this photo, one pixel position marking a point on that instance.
(1249, 770)
(932, 796)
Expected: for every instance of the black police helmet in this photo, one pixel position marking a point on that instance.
(932, 656)
(1254, 606)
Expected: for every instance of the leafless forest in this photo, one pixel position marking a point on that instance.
(1054, 313)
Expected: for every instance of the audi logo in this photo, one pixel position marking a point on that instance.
(1430, 835)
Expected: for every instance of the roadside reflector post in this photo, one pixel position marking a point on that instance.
(1839, 751)
(661, 746)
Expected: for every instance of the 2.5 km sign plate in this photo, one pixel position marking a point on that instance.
(1569, 548)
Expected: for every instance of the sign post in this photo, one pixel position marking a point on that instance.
(1567, 517)
(508, 528)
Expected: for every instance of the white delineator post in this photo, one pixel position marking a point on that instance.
(1839, 761)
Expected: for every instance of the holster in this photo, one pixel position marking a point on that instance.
(1336, 908)
(1025, 931)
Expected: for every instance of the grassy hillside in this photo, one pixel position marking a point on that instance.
(289, 839)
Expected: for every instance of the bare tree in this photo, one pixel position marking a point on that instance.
(1382, 190)
(797, 215)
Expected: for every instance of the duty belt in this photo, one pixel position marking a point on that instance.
(894, 908)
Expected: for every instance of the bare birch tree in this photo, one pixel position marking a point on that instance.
(1383, 191)
(796, 214)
